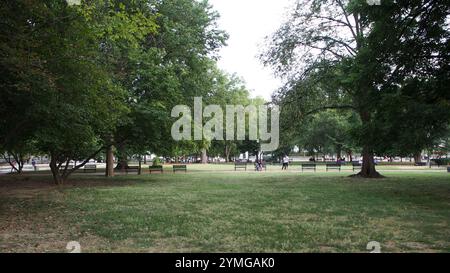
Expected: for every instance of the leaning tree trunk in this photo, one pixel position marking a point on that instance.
(57, 178)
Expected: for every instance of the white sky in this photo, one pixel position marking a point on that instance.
(248, 22)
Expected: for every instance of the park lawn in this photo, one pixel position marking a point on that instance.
(227, 212)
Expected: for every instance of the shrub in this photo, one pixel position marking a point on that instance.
(157, 161)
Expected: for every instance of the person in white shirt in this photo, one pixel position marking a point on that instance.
(285, 162)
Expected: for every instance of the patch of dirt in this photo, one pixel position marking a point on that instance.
(375, 176)
(28, 187)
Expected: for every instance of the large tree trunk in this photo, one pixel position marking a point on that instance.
(368, 165)
(57, 178)
(418, 157)
(140, 166)
(204, 156)
(59, 166)
(109, 162)
(338, 152)
(350, 156)
(227, 153)
(122, 158)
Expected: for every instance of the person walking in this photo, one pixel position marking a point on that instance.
(285, 163)
(258, 166)
(33, 162)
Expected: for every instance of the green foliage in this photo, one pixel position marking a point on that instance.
(157, 162)
(327, 133)
(76, 79)
(389, 64)
(63, 96)
(168, 68)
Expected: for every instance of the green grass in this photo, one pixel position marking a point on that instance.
(231, 212)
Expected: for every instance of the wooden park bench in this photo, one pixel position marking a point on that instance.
(420, 164)
(240, 165)
(132, 169)
(439, 163)
(90, 168)
(179, 168)
(334, 166)
(156, 169)
(309, 167)
(356, 166)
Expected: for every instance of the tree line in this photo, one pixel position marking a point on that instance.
(360, 77)
(102, 77)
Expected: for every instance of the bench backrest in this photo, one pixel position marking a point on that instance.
(90, 167)
(356, 164)
(179, 167)
(308, 165)
(334, 165)
(132, 168)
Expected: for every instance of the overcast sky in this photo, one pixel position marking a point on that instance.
(248, 22)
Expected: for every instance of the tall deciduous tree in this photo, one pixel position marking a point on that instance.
(58, 94)
(167, 68)
(348, 55)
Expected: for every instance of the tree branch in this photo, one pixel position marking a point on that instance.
(332, 107)
(347, 20)
(85, 162)
(8, 159)
(350, 49)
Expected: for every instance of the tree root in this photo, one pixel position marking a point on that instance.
(375, 175)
